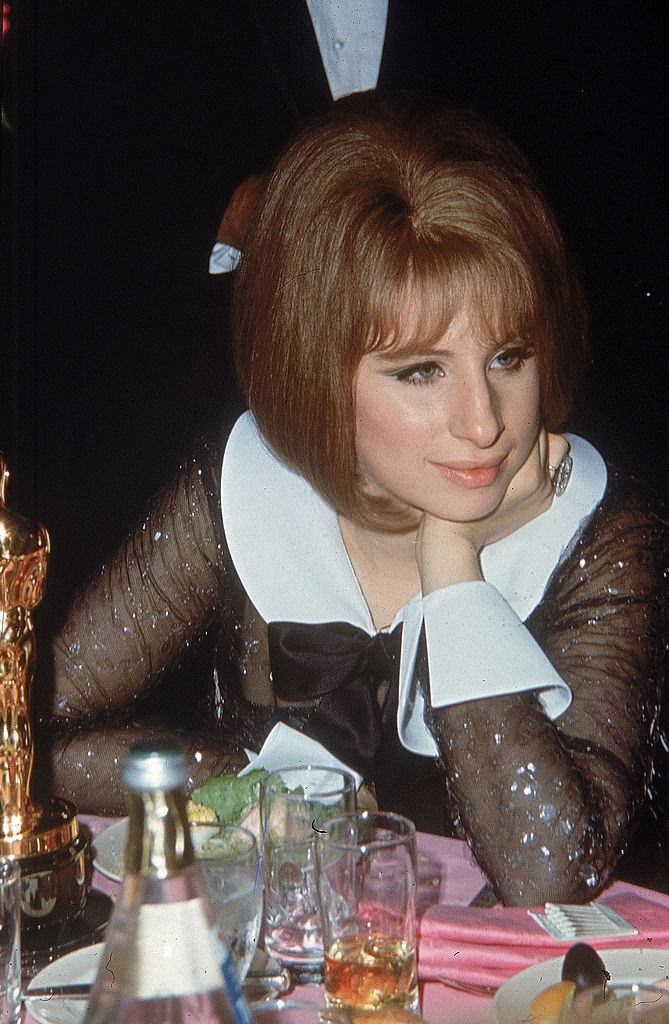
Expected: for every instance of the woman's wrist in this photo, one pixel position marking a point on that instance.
(456, 561)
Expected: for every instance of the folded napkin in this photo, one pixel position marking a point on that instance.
(287, 748)
(487, 946)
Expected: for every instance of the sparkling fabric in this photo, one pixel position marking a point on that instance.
(162, 595)
(547, 807)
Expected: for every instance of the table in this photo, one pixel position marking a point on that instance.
(459, 878)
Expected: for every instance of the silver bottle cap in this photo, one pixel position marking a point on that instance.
(155, 765)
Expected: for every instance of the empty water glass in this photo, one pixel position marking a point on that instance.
(293, 804)
(227, 857)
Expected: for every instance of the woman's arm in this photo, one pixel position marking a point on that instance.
(159, 590)
(87, 764)
(147, 605)
(548, 807)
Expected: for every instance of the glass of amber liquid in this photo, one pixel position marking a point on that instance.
(366, 871)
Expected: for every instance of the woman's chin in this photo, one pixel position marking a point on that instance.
(469, 507)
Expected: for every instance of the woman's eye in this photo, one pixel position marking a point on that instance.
(422, 373)
(511, 358)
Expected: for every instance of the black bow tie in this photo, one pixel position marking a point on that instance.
(341, 667)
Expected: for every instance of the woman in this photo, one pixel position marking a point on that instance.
(410, 563)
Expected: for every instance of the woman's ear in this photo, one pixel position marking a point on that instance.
(234, 223)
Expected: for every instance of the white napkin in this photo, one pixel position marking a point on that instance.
(288, 748)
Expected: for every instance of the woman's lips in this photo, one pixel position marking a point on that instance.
(470, 475)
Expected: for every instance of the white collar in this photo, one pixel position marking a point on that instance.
(286, 545)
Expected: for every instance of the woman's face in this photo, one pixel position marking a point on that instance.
(445, 431)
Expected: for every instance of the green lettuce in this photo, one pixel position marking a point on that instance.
(229, 796)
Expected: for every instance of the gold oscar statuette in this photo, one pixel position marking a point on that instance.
(45, 839)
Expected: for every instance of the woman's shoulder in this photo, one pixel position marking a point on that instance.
(619, 560)
(629, 526)
(628, 499)
(204, 463)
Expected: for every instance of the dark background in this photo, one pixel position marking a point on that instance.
(131, 124)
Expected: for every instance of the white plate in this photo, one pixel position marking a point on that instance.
(109, 850)
(81, 967)
(511, 1003)
(74, 968)
(109, 847)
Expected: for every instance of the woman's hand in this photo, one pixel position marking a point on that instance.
(366, 799)
(447, 552)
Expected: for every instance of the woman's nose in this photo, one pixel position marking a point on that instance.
(475, 415)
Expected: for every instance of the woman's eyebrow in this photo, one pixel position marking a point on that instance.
(410, 355)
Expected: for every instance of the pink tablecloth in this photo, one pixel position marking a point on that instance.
(497, 942)
(448, 874)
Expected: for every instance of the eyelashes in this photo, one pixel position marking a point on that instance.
(509, 360)
(513, 358)
(420, 374)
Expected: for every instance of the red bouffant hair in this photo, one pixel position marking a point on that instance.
(390, 198)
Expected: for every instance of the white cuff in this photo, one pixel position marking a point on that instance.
(477, 647)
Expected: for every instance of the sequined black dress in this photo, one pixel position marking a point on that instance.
(548, 804)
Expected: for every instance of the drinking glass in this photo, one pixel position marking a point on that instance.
(10, 941)
(227, 857)
(293, 803)
(367, 884)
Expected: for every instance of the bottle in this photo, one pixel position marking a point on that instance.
(162, 962)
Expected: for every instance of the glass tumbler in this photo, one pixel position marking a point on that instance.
(10, 941)
(227, 857)
(367, 883)
(293, 804)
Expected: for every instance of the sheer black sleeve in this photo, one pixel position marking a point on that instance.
(156, 596)
(548, 807)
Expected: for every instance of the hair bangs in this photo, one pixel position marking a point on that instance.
(411, 315)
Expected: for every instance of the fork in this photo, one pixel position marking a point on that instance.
(279, 981)
(469, 987)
